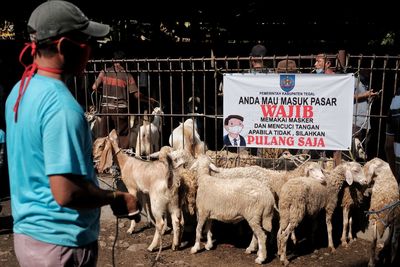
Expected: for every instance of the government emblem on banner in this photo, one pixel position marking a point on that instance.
(287, 82)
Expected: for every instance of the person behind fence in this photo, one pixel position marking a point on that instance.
(361, 111)
(392, 142)
(257, 64)
(117, 87)
(55, 197)
(322, 65)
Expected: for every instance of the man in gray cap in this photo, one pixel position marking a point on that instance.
(54, 192)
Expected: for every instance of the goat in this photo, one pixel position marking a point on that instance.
(186, 137)
(148, 138)
(154, 178)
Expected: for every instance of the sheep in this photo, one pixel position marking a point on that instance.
(153, 178)
(302, 195)
(149, 135)
(232, 200)
(186, 137)
(385, 191)
(272, 178)
(352, 197)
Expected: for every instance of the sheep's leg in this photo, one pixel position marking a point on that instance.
(293, 237)
(371, 261)
(159, 227)
(252, 246)
(131, 227)
(261, 238)
(209, 244)
(278, 240)
(176, 219)
(148, 214)
(351, 238)
(201, 220)
(158, 208)
(283, 238)
(345, 212)
(328, 220)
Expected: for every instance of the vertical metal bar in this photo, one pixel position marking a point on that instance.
(169, 65)
(385, 61)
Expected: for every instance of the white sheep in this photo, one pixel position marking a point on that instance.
(154, 178)
(385, 191)
(231, 201)
(186, 137)
(274, 179)
(148, 140)
(304, 196)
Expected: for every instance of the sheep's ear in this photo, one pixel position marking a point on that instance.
(371, 171)
(349, 177)
(307, 170)
(105, 158)
(176, 161)
(213, 167)
(113, 135)
(155, 155)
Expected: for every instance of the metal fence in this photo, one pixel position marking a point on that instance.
(174, 82)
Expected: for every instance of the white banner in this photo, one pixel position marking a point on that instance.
(302, 111)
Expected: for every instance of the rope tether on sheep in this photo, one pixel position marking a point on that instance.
(389, 207)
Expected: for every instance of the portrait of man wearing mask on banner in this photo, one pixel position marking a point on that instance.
(233, 124)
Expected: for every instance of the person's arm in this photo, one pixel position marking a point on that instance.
(73, 191)
(365, 95)
(98, 81)
(144, 98)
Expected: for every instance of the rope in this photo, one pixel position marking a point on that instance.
(158, 253)
(116, 231)
(298, 159)
(390, 206)
(115, 242)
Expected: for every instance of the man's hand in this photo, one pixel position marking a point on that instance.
(153, 101)
(125, 205)
(370, 93)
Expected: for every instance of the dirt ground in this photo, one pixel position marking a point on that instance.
(117, 248)
(230, 244)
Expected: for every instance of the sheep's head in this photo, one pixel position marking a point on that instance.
(354, 173)
(372, 167)
(98, 147)
(177, 158)
(314, 170)
(106, 157)
(157, 111)
(203, 165)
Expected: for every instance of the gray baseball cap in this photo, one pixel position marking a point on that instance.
(54, 18)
